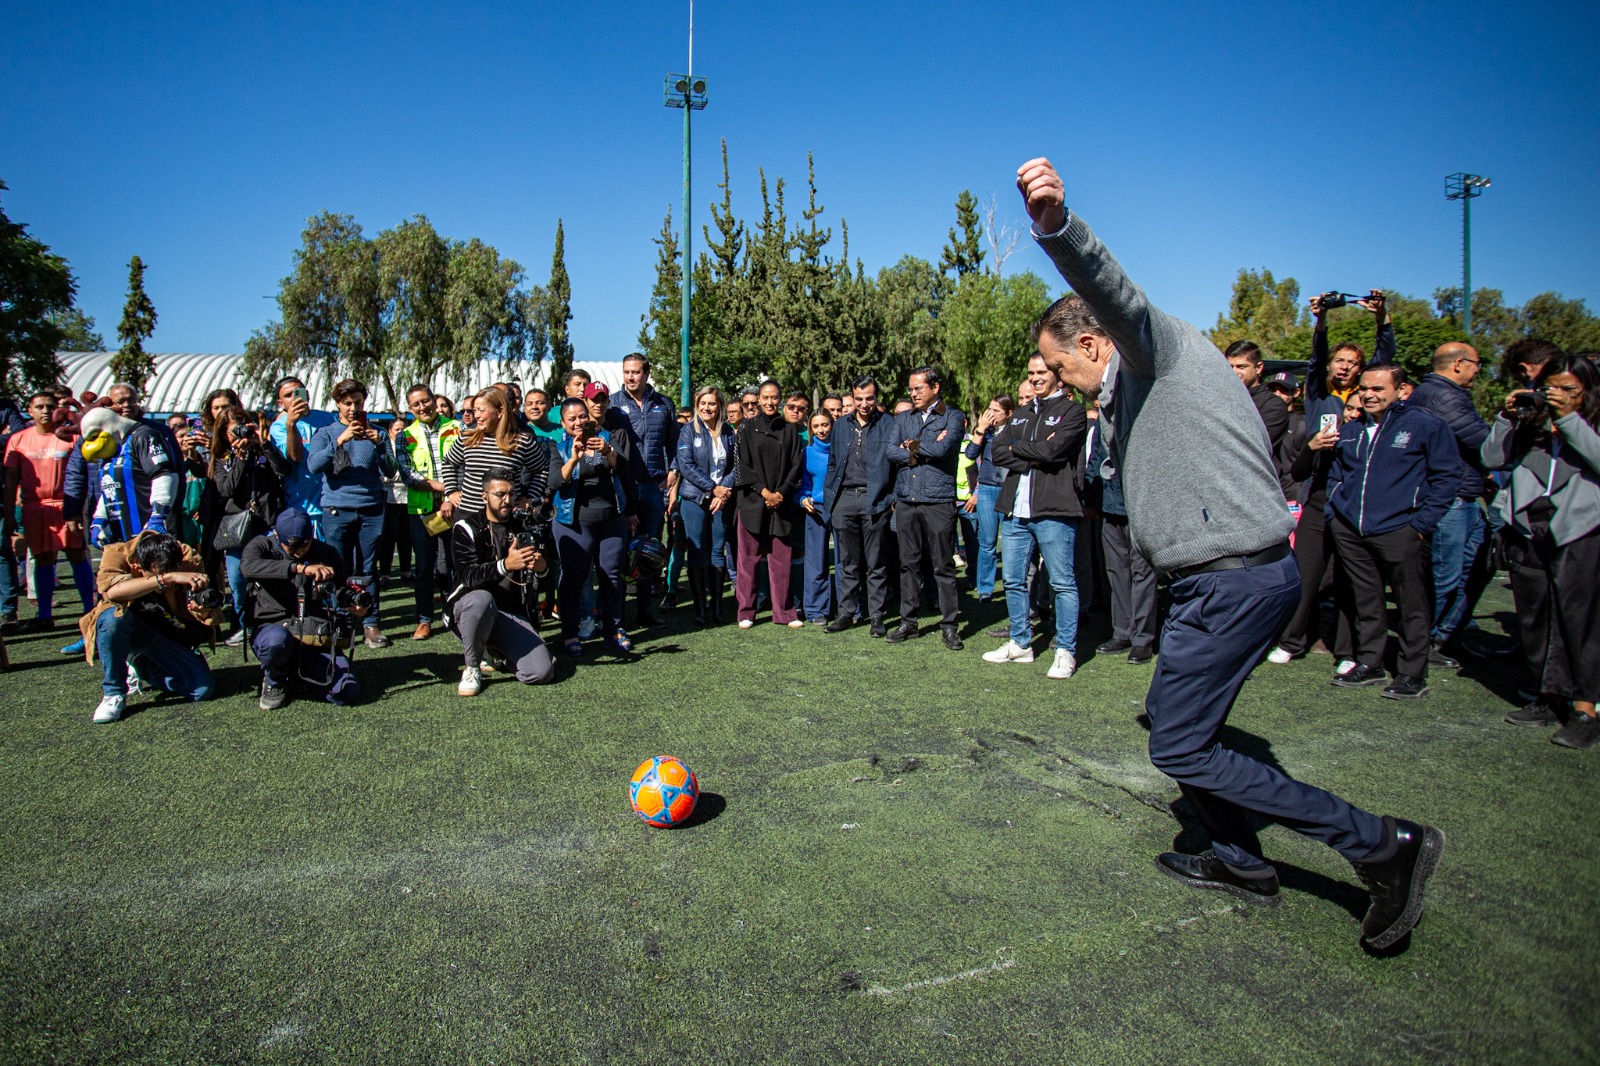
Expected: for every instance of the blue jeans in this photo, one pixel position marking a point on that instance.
(1219, 627)
(988, 538)
(1055, 538)
(160, 659)
(354, 531)
(706, 534)
(231, 559)
(817, 588)
(282, 656)
(1455, 545)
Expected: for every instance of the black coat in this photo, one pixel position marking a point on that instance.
(767, 455)
(1043, 439)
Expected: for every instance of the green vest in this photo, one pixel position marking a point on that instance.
(425, 447)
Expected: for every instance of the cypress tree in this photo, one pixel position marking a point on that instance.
(558, 312)
(132, 363)
(964, 254)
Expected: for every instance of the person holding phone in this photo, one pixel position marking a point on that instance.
(590, 524)
(290, 433)
(246, 478)
(353, 459)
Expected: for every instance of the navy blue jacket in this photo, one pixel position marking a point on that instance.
(1452, 404)
(932, 479)
(880, 475)
(1318, 400)
(653, 427)
(693, 461)
(1406, 475)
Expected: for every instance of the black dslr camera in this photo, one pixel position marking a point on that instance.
(1330, 300)
(529, 525)
(341, 602)
(1532, 406)
(208, 598)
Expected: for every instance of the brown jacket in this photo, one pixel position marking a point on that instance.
(116, 566)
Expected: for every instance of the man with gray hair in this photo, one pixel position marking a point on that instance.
(1205, 507)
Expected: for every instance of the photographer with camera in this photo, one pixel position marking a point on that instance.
(303, 610)
(501, 559)
(156, 606)
(249, 483)
(1546, 436)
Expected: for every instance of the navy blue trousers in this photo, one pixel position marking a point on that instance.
(1219, 627)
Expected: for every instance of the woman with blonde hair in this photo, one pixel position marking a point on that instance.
(705, 498)
(494, 442)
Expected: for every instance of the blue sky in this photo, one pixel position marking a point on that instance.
(1311, 139)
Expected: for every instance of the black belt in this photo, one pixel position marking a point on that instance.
(1233, 562)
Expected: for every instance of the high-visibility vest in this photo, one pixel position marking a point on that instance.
(425, 447)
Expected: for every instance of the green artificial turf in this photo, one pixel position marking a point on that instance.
(902, 855)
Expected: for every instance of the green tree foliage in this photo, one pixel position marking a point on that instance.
(132, 363)
(963, 253)
(78, 333)
(36, 287)
(661, 326)
(558, 311)
(1262, 309)
(395, 309)
(984, 327)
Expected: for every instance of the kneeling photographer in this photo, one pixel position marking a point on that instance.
(303, 610)
(500, 563)
(155, 608)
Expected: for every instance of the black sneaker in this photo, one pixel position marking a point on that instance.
(1537, 713)
(1437, 657)
(903, 632)
(951, 637)
(1404, 687)
(1208, 871)
(1359, 676)
(878, 628)
(1581, 731)
(1111, 647)
(272, 696)
(1396, 882)
(1141, 654)
(838, 625)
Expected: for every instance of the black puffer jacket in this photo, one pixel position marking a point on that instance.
(1452, 404)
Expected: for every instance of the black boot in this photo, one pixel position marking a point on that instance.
(697, 592)
(644, 609)
(718, 579)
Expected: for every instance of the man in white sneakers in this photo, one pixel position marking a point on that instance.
(1038, 448)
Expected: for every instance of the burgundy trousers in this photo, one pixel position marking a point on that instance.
(753, 547)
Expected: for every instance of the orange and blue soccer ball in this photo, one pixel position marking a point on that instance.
(663, 791)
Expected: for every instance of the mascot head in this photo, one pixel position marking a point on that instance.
(103, 433)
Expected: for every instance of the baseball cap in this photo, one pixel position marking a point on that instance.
(596, 389)
(1285, 380)
(293, 524)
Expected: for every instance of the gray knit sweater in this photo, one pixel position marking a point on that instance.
(1193, 454)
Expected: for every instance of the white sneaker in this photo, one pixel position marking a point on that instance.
(1009, 652)
(1279, 656)
(1344, 667)
(110, 709)
(746, 623)
(1062, 668)
(797, 624)
(135, 684)
(471, 682)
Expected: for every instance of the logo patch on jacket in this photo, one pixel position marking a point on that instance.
(1402, 438)
(699, 441)
(1053, 420)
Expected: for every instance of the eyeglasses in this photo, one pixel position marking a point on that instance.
(794, 407)
(1474, 362)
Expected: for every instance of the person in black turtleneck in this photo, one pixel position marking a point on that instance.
(768, 461)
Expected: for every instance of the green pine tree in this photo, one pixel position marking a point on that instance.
(963, 255)
(558, 313)
(132, 363)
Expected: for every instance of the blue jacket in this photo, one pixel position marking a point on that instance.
(1452, 404)
(1406, 475)
(932, 479)
(352, 473)
(694, 460)
(564, 494)
(1318, 400)
(653, 427)
(880, 475)
(988, 473)
(81, 494)
(814, 475)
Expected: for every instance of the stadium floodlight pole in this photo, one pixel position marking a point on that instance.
(688, 92)
(1464, 187)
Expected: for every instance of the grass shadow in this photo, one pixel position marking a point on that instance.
(710, 805)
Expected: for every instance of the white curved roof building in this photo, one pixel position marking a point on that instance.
(183, 380)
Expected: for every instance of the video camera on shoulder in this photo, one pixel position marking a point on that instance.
(1331, 300)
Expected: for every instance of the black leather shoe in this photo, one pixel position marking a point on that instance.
(1141, 654)
(1437, 657)
(1396, 882)
(1360, 675)
(951, 637)
(839, 624)
(878, 628)
(1208, 871)
(999, 632)
(1536, 713)
(902, 632)
(1111, 647)
(1405, 687)
(1581, 731)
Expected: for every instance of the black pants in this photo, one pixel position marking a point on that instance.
(859, 543)
(1402, 560)
(396, 536)
(1558, 610)
(927, 530)
(1313, 551)
(1133, 585)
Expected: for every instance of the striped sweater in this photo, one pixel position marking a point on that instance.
(464, 468)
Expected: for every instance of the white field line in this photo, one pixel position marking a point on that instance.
(935, 982)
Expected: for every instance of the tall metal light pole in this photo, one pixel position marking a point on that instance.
(688, 92)
(1464, 187)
